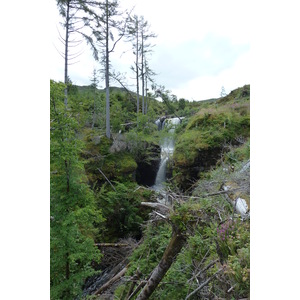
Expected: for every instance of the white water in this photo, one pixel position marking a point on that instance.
(167, 149)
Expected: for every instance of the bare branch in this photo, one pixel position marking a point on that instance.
(111, 281)
(155, 205)
(162, 216)
(203, 284)
(106, 179)
(115, 245)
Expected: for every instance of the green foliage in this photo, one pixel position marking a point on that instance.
(146, 125)
(182, 217)
(148, 254)
(181, 104)
(231, 236)
(122, 210)
(238, 154)
(200, 139)
(238, 270)
(140, 144)
(72, 205)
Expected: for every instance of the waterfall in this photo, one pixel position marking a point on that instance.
(167, 149)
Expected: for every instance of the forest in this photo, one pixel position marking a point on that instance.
(116, 230)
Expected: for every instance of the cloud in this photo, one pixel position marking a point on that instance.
(192, 59)
(200, 47)
(209, 86)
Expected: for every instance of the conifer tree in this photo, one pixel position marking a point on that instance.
(138, 34)
(78, 20)
(72, 205)
(94, 84)
(109, 24)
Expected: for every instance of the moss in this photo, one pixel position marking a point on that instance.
(126, 164)
(201, 141)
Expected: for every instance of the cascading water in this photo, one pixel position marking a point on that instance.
(167, 149)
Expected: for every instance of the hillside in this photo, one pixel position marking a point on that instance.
(103, 205)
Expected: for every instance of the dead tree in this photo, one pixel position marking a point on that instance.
(174, 247)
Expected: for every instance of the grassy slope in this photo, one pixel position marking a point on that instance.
(203, 138)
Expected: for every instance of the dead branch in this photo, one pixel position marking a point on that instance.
(203, 270)
(111, 281)
(116, 245)
(142, 284)
(174, 247)
(162, 216)
(214, 194)
(130, 123)
(231, 288)
(203, 285)
(107, 179)
(156, 205)
(134, 279)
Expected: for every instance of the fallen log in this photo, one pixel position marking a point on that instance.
(109, 283)
(174, 247)
(116, 245)
(155, 205)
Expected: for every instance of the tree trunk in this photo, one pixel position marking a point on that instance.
(137, 69)
(109, 283)
(66, 53)
(143, 74)
(107, 76)
(67, 166)
(175, 245)
(94, 112)
(146, 108)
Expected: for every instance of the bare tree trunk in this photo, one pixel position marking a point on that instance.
(137, 69)
(66, 54)
(143, 75)
(175, 245)
(146, 108)
(107, 76)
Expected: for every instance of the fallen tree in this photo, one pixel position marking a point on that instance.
(174, 247)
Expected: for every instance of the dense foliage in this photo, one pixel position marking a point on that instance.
(217, 239)
(95, 197)
(73, 209)
(217, 249)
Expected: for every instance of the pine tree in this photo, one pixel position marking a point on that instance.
(94, 84)
(78, 20)
(138, 34)
(108, 26)
(72, 205)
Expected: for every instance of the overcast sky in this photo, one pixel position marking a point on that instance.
(200, 47)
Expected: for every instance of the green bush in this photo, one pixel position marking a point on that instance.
(122, 211)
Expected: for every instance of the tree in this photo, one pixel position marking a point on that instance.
(223, 92)
(78, 16)
(94, 84)
(133, 35)
(166, 98)
(108, 25)
(146, 72)
(138, 34)
(72, 205)
(181, 104)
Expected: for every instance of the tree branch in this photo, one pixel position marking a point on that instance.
(111, 281)
(203, 284)
(107, 179)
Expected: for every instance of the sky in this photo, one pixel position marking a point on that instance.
(201, 46)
